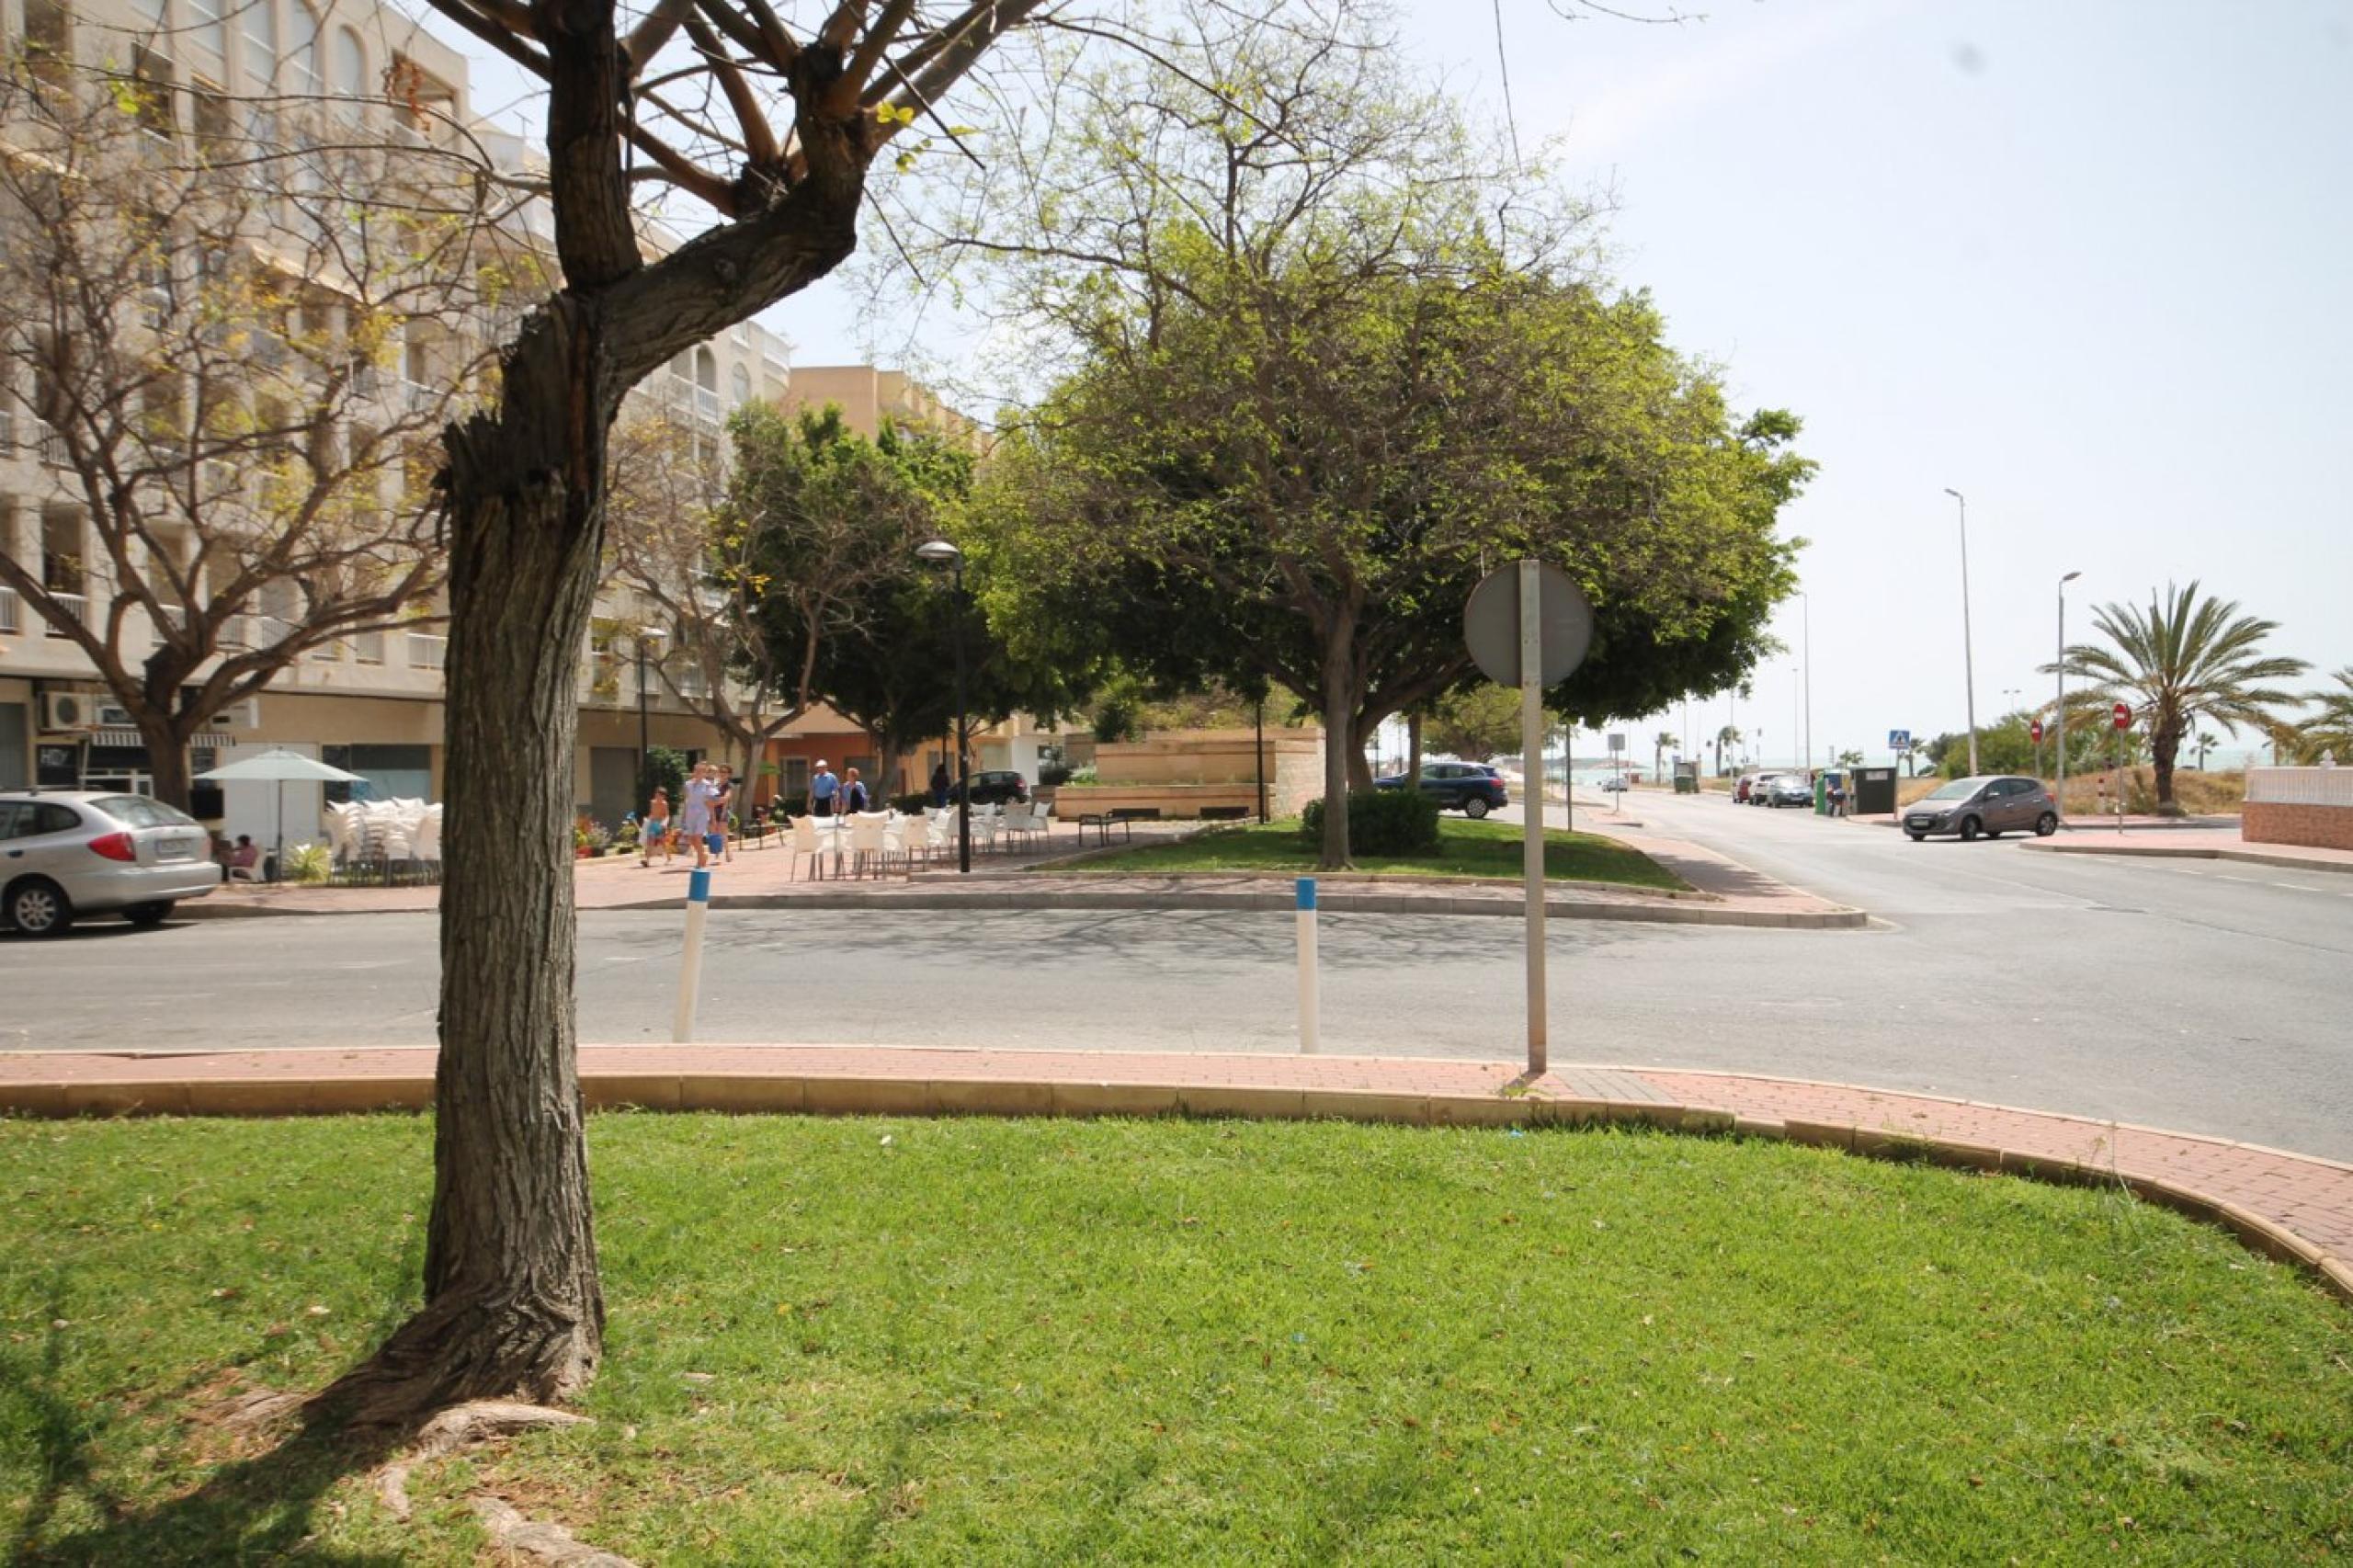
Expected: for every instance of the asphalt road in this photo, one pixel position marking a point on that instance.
(2212, 997)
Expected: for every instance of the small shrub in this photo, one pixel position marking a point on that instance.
(911, 802)
(1053, 775)
(1380, 822)
(308, 864)
(1082, 777)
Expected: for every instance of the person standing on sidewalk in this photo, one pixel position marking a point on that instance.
(723, 810)
(823, 787)
(703, 788)
(654, 831)
(940, 785)
(855, 799)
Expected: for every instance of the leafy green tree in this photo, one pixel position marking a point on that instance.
(1475, 723)
(2185, 658)
(1297, 432)
(834, 520)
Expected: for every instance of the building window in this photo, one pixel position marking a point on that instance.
(151, 76)
(48, 39)
(260, 41)
(368, 647)
(741, 382)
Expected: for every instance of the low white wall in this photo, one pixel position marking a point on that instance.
(2299, 786)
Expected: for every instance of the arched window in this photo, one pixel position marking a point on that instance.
(302, 52)
(210, 33)
(706, 370)
(743, 384)
(347, 73)
(260, 27)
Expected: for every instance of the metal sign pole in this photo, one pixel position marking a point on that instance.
(1531, 743)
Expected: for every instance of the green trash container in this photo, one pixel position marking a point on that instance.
(1822, 794)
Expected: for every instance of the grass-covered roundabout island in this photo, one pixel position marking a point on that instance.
(1465, 848)
(1027, 1341)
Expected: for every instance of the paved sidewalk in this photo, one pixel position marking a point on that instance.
(2199, 844)
(2289, 1206)
(1727, 893)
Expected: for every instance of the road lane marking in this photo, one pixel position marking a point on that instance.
(2299, 887)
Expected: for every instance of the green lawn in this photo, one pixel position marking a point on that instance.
(1466, 848)
(992, 1341)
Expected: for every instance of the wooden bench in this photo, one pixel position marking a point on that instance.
(1224, 813)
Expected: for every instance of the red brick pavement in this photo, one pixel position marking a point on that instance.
(2290, 1205)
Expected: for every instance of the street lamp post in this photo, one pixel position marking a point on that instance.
(2062, 713)
(1967, 655)
(938, 551)
(644, 781)
(1805, 610)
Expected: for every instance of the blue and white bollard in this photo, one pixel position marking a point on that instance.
(682, 1029)
(1307, 997)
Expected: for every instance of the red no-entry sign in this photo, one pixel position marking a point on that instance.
(2123, 717)
(2035, 731)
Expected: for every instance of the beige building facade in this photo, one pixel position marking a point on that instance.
(371, 703)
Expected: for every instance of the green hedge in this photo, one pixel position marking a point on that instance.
(1381, 821)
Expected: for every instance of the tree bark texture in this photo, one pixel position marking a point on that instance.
(1339, 748)
(513, 1307)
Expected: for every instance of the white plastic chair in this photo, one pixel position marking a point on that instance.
(866, 839)
(905, 837)
(808, 840)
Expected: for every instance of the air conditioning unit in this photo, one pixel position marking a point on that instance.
(68, 710)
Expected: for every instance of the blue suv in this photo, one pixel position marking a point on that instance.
(1470, 787)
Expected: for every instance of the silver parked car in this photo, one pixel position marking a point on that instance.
(1986, 806)
(67, 853)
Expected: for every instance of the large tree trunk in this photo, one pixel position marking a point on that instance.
(1361, 736)
(2164, 746)
(513, 1307)
(167, 769)
(1343, 758)
(1414, 749)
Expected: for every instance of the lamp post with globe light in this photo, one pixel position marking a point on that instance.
(939, 552)
(2061, 714)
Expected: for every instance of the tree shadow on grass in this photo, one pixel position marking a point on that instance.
(256, 1508)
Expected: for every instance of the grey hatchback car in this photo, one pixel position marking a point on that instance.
(65, 853)
(1989, 806)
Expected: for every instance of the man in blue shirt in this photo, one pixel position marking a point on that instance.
(823, 787)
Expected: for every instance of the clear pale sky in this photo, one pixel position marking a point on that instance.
(2089, 262)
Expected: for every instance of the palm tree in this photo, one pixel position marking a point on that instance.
(2332, 728)
(1659, 742)
(1727, 736)
(2206, 742)
(2186, 658)
(1850, 760)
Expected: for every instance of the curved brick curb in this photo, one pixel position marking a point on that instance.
(2291, 1223)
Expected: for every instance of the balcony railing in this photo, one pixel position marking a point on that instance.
(418, 398)
(428, 652)
(75, 605)
(51, 445)
(12, 613)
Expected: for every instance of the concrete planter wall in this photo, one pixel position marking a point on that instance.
(1180, 771)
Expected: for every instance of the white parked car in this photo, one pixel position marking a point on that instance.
(68, 853)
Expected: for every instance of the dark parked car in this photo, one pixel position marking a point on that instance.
(1470, 787)
(998, 787)
(1990, 807)
(1790, 789)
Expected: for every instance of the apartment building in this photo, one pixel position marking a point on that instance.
(371, 702)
